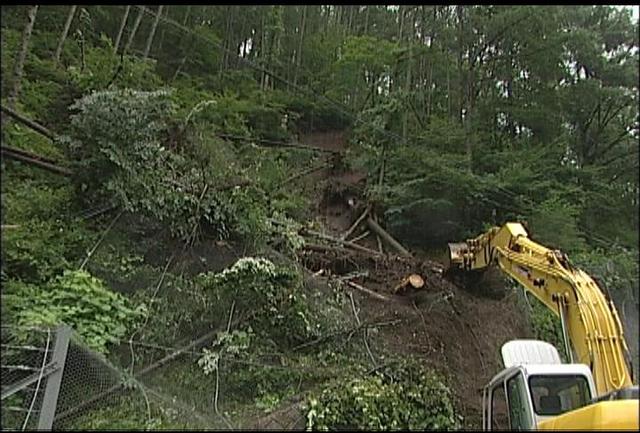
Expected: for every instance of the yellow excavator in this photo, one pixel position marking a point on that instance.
(536, 390)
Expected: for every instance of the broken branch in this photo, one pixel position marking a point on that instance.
(368, 291)
(355, 224)
(341, 242)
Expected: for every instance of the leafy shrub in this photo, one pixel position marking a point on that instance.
(77, 299)
(38, 250)
(125, 150)
(226, 344)
(408, 398)
(271, 292)
(101, 65)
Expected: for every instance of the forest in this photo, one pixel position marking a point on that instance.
(234, 185)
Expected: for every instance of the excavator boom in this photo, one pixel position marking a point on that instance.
(590, 320)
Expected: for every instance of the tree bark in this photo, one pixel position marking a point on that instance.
(123, 23)
(152, 32)
(387, 237)
(462, 86)
(366, 20)
(164, 28)
(34, 160)
(18, 70)
(134, 30)
(186, 15)
(65, 32)
(299, 52)
(28, 122)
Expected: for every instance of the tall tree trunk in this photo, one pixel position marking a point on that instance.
(350, 24)
(152, 32)
(164, 29)
(405, 118)
(401, 12)
(462, 84)
(18, 69)
(186, 15)
(366, 20)
(300, 41)
(65, 32)
(263, 53)
(123, 23)
(430, 72)
(134, 30)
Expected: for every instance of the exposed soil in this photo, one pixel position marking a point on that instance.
(455, 331)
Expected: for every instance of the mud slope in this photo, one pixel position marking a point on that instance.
(455, 330)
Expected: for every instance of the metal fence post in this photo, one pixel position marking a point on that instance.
(50, 399)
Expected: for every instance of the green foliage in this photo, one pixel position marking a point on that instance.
(102, 68)
(167, 318)
(272, 293)
(128, 413)
(77, 299)
(226, 345)
(284, 233)
(38, 250)
(409, 398)
(616, 270)
(546, 326)
(122, 143)
(46, 240)
(554, 223)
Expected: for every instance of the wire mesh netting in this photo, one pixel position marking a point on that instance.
(96, 394)
(25, 353)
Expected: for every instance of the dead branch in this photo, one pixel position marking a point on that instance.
(273, 143)
(304, 173)
(378, 240)
(340, 242)
(364, 335)
(361, 236)
(95, 247)
(364, 325)
(368, 291)
(355, 224)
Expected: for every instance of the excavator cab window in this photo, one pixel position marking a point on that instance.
(519, 411)
(499, 409)
(556, 394)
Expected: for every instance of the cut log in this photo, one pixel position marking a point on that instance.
(413, 280)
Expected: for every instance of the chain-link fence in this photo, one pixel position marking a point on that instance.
(26, 352)
(50, 379)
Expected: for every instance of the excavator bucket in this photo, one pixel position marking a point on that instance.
(456, 251)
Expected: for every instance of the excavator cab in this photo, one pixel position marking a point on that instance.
(533, 387)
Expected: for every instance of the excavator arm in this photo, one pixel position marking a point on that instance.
(590, 321)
